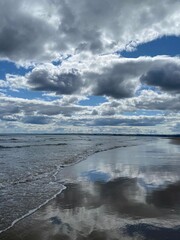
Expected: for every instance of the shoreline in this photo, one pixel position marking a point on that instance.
(21, 220)
(62, 166)
(32, 211)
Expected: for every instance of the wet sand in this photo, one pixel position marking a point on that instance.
(125, 193)
(175, 140)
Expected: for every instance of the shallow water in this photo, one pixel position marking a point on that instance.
(126, 193)
(30, 168)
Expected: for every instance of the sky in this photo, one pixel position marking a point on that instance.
(99, 66)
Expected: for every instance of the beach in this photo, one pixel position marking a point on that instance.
(123, 188)
(89, 120)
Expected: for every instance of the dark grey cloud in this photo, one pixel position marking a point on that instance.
(166, 77)
(60, 83)
(113, 82)
(23, 36)
(139, 121)
(94, 112)
(9, 112)
(9, 109)
(108, 112)
(121, 79)
(35, 120)
(55, 110)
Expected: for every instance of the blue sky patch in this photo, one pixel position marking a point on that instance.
(26, 94)
(93, 101)
(11, 68)
(144, 112)
(169, 45)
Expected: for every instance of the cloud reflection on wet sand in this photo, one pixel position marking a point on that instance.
(113, 198)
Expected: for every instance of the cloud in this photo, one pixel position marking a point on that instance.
(119, 80)
(107, 75)
(23, 34)
(53, 110)
(176, 127)
(44, 30)
(129, 121)
(35, 120)
(32, 111)
(10, 109)
(40, 115)
(114, 81)
(54, 80)
(102, 25)
(151, 100)
(166, 77)
(147, 103)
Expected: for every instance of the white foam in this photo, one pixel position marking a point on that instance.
(57, 171)
(33, 210)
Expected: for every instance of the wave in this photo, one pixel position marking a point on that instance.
(33, 145)
(33, 210)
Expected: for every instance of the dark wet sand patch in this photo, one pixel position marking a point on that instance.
(175, 141)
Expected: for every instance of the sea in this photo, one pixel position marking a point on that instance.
(37, 169)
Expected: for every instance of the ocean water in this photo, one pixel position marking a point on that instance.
(89, 187)
(31, 167)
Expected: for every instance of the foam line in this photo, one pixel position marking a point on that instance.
(33, 210)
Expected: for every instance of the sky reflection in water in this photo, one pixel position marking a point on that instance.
(128, 193)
